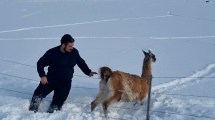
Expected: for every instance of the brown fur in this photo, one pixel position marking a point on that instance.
(120, 86)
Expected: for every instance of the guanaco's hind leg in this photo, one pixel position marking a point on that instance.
(115, 97)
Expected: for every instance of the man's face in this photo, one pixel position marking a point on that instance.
(68, 47)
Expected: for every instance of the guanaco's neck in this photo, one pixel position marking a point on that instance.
(146, 69)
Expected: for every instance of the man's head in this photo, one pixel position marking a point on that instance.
(67, 43)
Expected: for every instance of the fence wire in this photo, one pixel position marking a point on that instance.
(163, 77)
(79, 87)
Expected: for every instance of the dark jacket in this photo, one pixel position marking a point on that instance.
(61, 65)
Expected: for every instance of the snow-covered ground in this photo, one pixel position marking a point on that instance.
(111, 33)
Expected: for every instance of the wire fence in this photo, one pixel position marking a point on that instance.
(27, 65)
(163, 77)
(151, 111)
(24, 78)
(80, 87)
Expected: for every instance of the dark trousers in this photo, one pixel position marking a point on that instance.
(61, 91)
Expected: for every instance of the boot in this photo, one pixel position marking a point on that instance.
(52, 108)
(34, 104)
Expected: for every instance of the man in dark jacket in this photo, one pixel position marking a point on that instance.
(60, 61)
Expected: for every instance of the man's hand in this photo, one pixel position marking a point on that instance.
(44, 80)
(92, 73)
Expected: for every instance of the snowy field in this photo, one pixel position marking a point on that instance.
(181, 33)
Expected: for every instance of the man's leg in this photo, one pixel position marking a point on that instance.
(40, 92)
(60, 95)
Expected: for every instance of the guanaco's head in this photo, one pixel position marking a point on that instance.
(105, 73)
(149, 56)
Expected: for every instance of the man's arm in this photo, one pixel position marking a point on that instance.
(42, 63)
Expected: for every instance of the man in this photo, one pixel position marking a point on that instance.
(60, 61)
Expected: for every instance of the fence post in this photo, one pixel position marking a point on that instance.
(149, 98)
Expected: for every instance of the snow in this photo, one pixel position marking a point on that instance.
(111, 33)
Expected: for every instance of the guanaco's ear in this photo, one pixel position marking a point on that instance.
(145, 53)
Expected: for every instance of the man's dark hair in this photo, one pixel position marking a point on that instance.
(67, 38)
